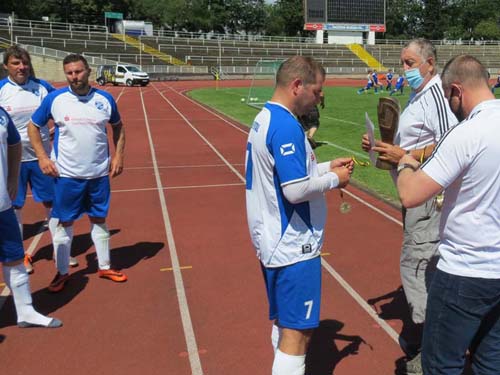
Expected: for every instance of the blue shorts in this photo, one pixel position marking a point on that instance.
(294, 294)
(42, 186)
(398, 86)
(369, 86)
(75, 197)
(11, 244)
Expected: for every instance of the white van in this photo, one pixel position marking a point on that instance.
(116, 74)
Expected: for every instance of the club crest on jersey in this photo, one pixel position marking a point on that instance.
(287, 149)
(3, 120)
(255, 126)
(99, 105)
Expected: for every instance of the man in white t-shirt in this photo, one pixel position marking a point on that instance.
(286, 209)
(11, 244)
(423, 122)
(463, 311)
(80, 162)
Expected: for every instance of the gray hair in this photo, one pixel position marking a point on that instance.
(423, 47)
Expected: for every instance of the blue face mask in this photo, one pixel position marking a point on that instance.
(414, 78)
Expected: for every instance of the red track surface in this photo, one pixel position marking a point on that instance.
(184, 208)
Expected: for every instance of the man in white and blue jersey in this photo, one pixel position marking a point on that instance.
(399, 86)
(463, 308)
(369, 82)
(388, 78)
(286, 209)
(80, 162)
(11, 244)
(20, 95)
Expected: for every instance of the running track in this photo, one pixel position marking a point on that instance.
(195, 301)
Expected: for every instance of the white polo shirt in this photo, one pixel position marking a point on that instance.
(8, 136)
(467, 163)
(278, 154)
(80, 147)
(20, 101)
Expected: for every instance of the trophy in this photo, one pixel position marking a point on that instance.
(388, 119)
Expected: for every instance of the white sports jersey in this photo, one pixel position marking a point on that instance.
(426, 117)
(20, 101)
(466, 163)
(8, 136)
(278, 154)
(80, 143)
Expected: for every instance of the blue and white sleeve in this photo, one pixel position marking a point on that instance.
(43, 113)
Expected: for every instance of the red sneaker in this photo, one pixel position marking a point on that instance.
(58, 283)
(113, 275)
(28, 264)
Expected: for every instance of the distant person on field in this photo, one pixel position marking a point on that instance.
(369, 82)
(11, 243)
(388, 79)
(399, 87)
(286, 209)
(376, 83)
(81, 163)
(310, 121)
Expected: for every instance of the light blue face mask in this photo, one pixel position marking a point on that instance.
(414, 78)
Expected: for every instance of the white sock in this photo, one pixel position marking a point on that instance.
(17, 280)
(100, 237)
(63, 236)
(275, 337)
(19, 216)
(286, 364)
(53, 222)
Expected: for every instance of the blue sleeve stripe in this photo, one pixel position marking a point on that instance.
(249, 167)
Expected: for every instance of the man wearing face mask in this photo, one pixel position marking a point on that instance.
(422, 123)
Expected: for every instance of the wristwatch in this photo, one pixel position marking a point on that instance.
(404, 166)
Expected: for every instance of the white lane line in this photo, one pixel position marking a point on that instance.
(177, 187)
(229, 165)
(192, 347)
(358, 154)
(365, 306)
(187, 166)
(344, 121)
(350, 290)
(378, 210)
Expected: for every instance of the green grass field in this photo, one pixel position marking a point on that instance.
(342, 125)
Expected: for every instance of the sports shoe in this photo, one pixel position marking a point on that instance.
(28, 264)
(113, 275)
(58, 283)
(73, 262)
(54, 323)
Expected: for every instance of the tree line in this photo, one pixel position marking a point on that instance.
(433, 19)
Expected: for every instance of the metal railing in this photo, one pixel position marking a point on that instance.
(252, 60)
(65, 42)
(48, 25)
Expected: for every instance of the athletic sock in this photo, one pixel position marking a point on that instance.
(19, 216)
(100, 237)
(275, 337)
(286, 364)
(63, 236)
(53, 222)
(17, 280)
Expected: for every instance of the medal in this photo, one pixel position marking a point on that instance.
(345, 207)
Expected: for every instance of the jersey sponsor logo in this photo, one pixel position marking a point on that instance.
(287, 149)
(100, 105)
(66, 118)
(255, 126)
(3, 120)
(8, 108)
